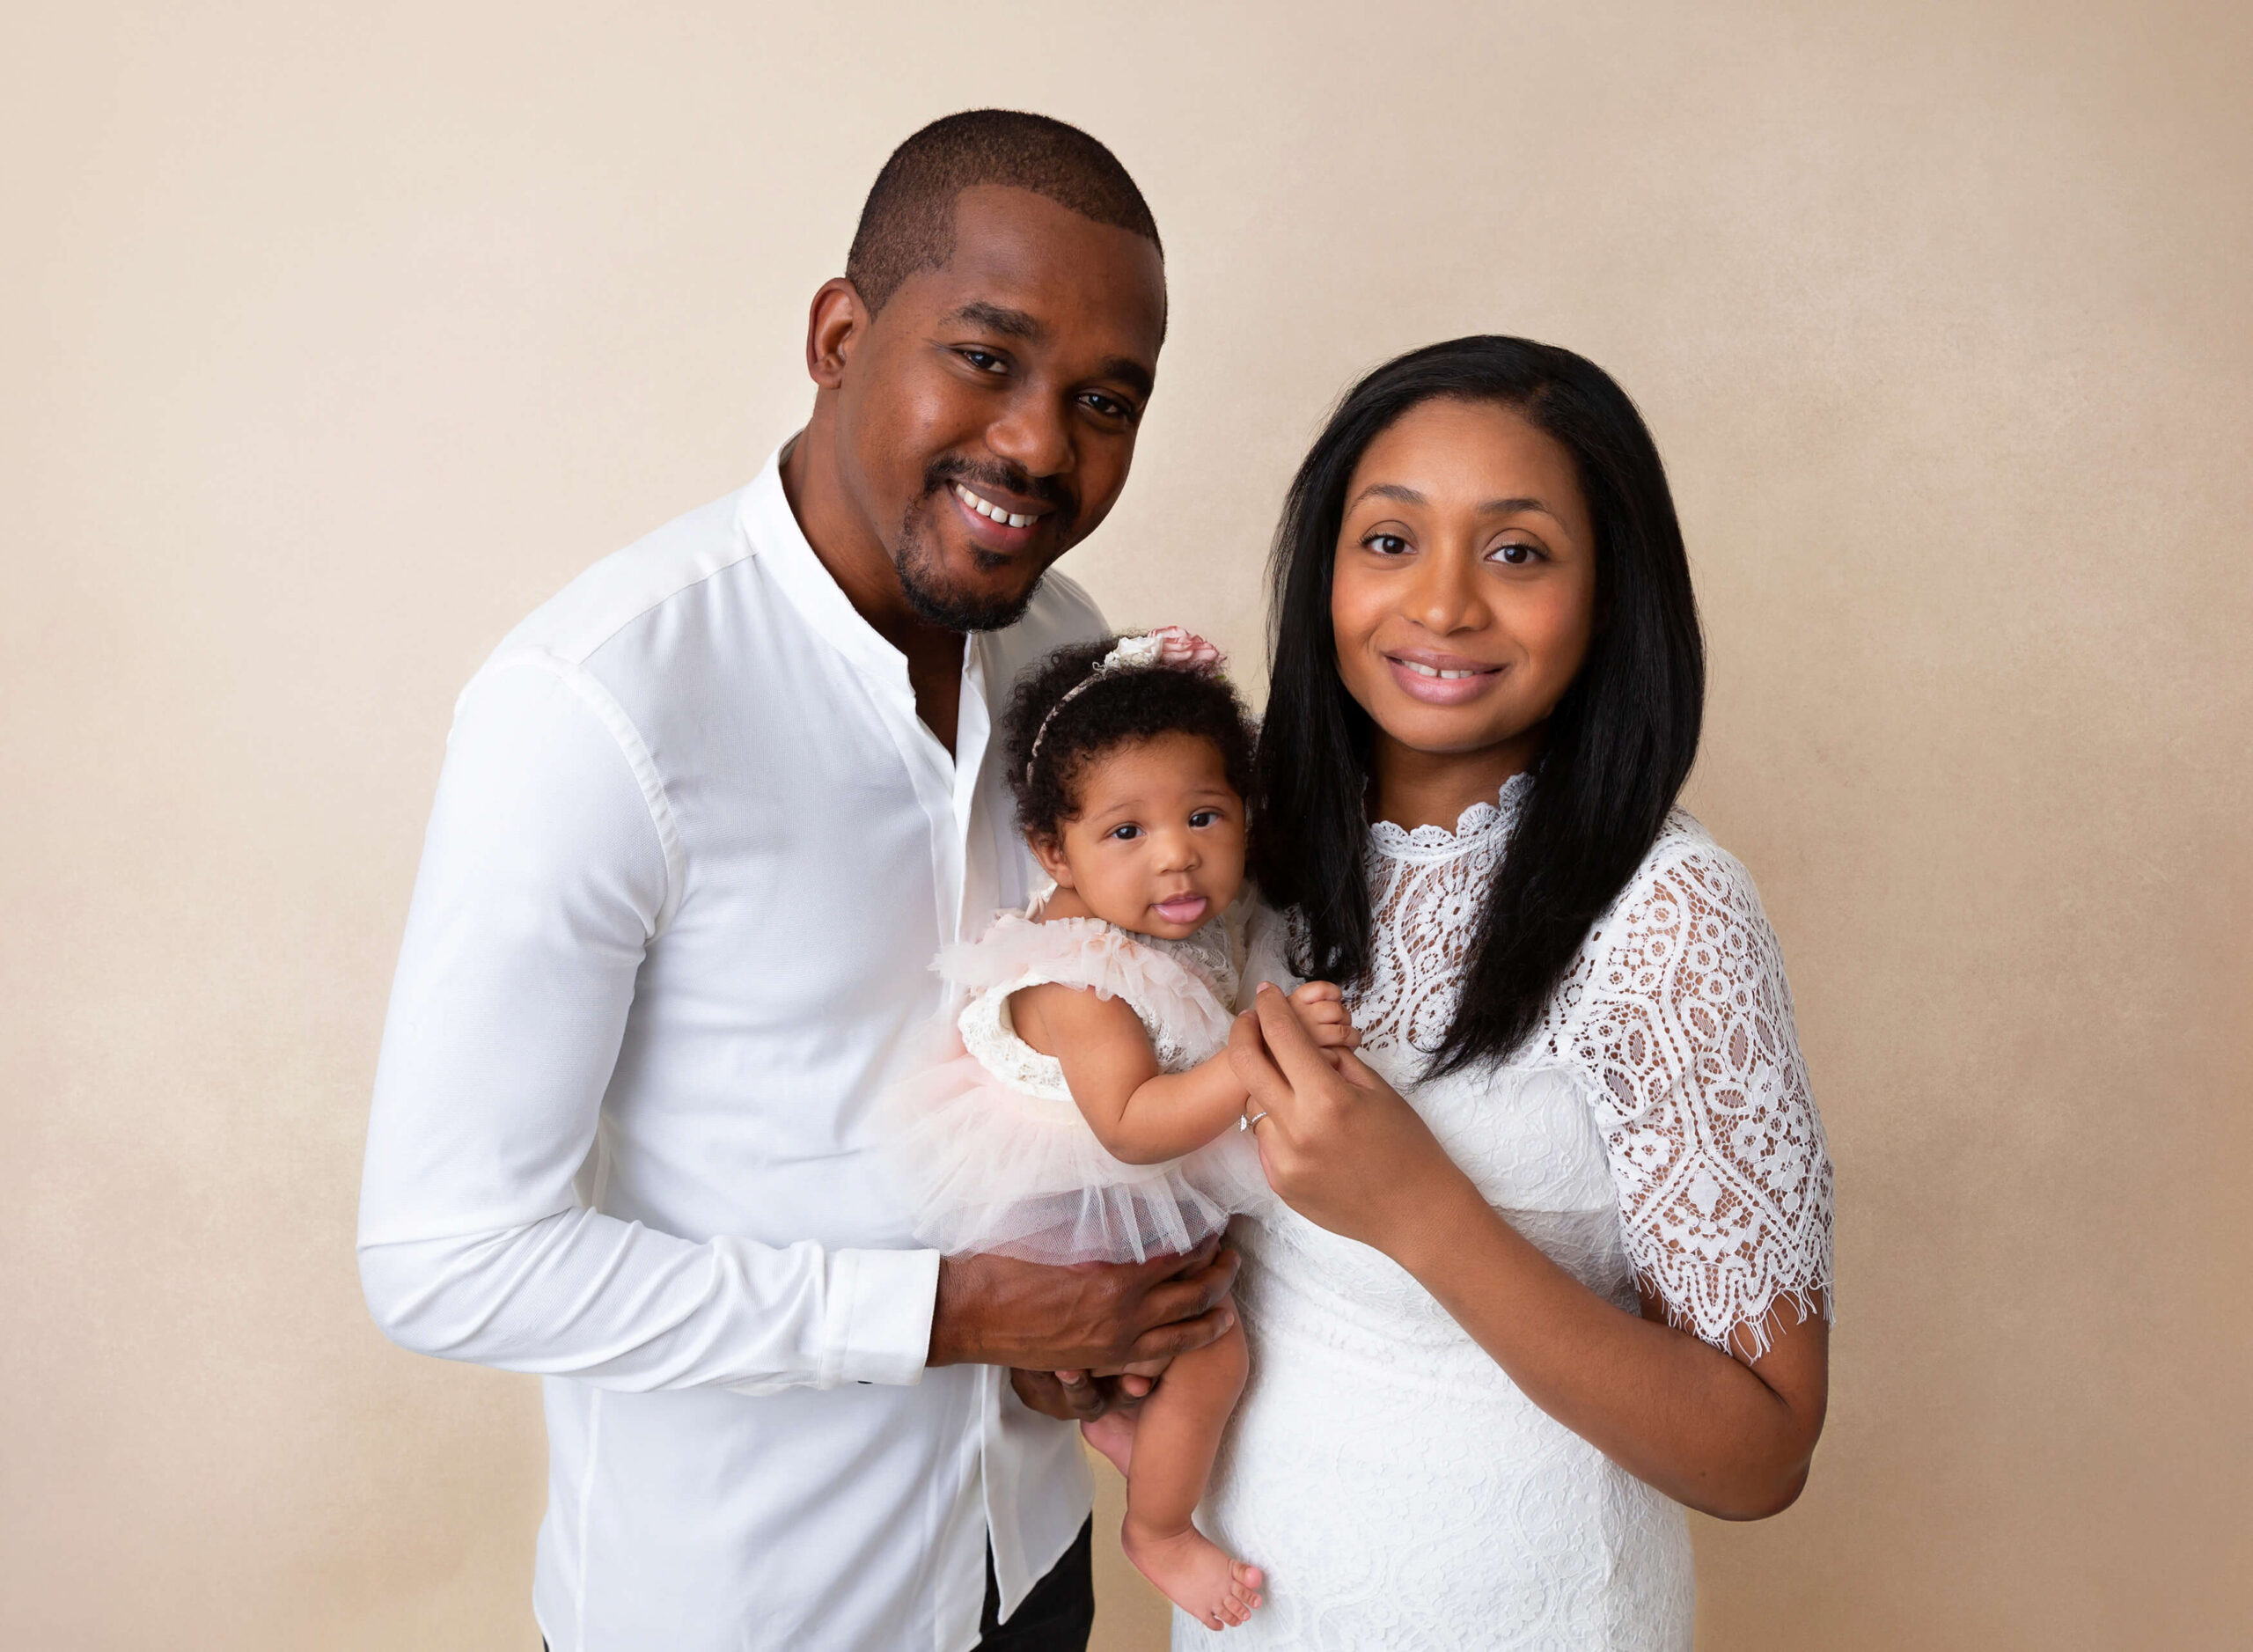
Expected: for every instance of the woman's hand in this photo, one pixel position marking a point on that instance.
(1337, 1143)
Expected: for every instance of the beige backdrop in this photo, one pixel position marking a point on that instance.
(336, 338)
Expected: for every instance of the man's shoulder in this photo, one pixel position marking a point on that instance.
(1060, 613)
(628, 586)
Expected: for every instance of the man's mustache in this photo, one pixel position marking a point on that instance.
(1009, 478)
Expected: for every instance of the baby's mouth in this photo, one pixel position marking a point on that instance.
(1181, 908)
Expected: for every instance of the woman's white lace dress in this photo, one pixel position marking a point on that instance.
(1399, 1490)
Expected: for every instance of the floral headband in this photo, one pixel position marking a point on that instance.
(1168, 646)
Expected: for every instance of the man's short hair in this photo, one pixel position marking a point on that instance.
(907, 223)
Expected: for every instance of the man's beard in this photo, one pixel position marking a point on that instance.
(934, 599)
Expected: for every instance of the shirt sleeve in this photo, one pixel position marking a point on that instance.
(1680, 1016)
(547, 873)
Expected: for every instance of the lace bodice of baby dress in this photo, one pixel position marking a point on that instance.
(988, 1149)
(1399, 1490)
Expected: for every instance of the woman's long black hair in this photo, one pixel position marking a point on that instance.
(1616, 749)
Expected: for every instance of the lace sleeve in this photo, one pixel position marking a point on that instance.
(1679, 1015)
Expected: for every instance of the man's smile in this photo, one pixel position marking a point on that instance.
(1002, 523)
(992, 512)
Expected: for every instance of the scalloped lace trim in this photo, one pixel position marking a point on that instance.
(1481, 820)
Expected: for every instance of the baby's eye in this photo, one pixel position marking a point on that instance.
(1205, 817)
(1125, 833)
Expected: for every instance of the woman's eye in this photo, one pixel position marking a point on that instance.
(1516, 553)
(1386, 544)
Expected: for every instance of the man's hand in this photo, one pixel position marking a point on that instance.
(1076, 1397)
(1094, 1319)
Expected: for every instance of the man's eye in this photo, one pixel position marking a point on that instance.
(1386, 544)
(984, 361)
(1108, 406)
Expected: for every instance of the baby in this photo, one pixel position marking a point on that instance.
(1082, 1108)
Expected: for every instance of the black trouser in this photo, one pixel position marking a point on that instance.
(1058, 1616)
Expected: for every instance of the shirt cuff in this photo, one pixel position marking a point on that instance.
(880, 1304)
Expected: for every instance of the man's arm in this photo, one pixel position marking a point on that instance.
(544, 876)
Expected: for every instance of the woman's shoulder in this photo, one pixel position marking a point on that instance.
(1687, 896)
(1684, 864)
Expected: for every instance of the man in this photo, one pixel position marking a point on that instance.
(705, 818)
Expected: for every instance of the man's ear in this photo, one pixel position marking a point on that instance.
(1050, 853)
(833, 326)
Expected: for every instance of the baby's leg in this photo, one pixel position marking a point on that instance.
(1175, 1437)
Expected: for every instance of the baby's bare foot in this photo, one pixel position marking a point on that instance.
(1112, 1434)
(1194, 1573)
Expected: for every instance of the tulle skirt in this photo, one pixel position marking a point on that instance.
(986, 1167)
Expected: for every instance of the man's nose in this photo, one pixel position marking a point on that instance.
(1034, 433)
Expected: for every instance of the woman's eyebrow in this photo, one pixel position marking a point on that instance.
(1408, 496)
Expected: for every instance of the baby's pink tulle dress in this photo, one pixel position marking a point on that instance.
(986, 1142)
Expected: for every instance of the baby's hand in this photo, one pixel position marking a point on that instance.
(1322, 1011)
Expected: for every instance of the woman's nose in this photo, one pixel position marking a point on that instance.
(1444, 595)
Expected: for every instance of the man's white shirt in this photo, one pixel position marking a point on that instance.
(692, 854)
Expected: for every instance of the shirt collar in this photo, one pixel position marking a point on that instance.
(783, 550)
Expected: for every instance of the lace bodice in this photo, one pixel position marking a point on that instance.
(1675, 1021)
(1658, 1127)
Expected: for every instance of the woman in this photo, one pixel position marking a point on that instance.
(1557, 1258)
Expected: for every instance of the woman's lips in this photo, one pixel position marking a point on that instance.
(1437, 685)
(1181, 908)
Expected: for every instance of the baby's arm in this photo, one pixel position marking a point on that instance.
(1139, 1114)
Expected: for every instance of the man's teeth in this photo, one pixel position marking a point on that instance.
(1433, 670)
(986, 508)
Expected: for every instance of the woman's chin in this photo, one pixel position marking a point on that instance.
(1447, 730)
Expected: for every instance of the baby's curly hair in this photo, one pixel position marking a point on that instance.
(1125, 705)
